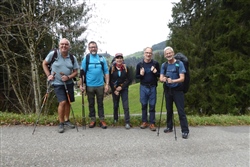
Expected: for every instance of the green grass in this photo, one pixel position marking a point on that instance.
(134, 102)
(7, 118)
(51, 120)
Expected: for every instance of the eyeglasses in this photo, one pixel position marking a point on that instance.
(148, 53)
(66, 44)
(92, 47)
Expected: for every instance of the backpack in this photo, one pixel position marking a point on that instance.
(82, 72)
(55, 57)
(181, 57)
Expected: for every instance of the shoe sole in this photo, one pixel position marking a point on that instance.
(169, 131)
(60, 131)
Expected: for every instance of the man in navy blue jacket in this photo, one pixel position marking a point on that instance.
(148, 72)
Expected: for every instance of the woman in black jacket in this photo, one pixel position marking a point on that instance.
(119, 83)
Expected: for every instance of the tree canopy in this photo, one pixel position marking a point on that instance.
(215, 36)
(29, 30)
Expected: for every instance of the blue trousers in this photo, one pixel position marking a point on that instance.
(148, 97)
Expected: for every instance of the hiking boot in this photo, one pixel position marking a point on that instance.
(152, 127)
(103, 125)
(127, 126)
(61, 128)
(168, 130)
(185, 135)
(92, 124)
(144, 125)
(69, 124)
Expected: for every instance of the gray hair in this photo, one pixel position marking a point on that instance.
(148, 48)
(64, 39)
(168, 48)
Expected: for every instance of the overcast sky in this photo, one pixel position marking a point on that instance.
(129, 26)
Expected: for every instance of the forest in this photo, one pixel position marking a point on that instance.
(213, 34)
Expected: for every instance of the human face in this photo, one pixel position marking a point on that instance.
(119, 60)
(169, 54)
(64, 46)
(148, 54)
(93, 48)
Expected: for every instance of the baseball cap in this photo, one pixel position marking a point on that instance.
(118, 55)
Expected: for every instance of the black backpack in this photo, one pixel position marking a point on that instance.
(181, 57)
(83, 73)
(55, 57)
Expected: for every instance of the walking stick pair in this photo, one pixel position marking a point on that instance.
(44, 102)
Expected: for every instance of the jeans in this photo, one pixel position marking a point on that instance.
(97, 92)
(116, 99)
(148, 97)
(177, 97)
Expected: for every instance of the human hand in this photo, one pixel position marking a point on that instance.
(119, 88)
(116, 93)
(106, 88)
(82, 88)
(153, 69)
(142, 71)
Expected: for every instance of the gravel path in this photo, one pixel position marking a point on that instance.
(211, 146)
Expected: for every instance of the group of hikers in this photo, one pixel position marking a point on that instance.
(116, 77)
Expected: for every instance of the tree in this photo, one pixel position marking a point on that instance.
(29, 30)
(215, 37)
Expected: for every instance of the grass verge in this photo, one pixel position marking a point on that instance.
(193, 120)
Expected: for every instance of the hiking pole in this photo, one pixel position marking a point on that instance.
(67, 92)
(174, 128)
(161, 110)
(83, 108)
(44, 101)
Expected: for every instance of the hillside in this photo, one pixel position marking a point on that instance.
(135, 58)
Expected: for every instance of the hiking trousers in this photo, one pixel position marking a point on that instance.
(148, 97)
(98, 93)
(116, 100)
(177, 97)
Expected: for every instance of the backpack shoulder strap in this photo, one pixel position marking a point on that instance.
(100, 56)
(53, 57)
(72, 58)
(177, 65)
(165, 67)
(154, 62)
(87, 62)
(141, 63)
